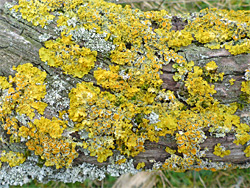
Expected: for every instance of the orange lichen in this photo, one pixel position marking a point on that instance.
(108, 123)
(25, 91)
(58, 152)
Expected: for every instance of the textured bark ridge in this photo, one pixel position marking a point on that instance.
(90, 88)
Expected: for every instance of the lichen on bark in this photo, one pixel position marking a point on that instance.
(118, 85)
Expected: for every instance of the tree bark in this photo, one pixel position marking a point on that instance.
(20, 43)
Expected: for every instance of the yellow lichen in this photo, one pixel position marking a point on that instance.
(247, 151)
(242, 135)
(134, 107)
(25, 91)
(66, 54)
(232, 81)
(12, 158)
(211, 72)
(120, 161)
(221, 151)
(52, 127)
(140, 165)
(4, 84)
(211, 66)
(58, 152)
(169, 150)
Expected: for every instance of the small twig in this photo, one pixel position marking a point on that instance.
(218, 182)
(230, 6)
(209, 4)
(166, 179)
(20, 59)
(162, 179)
(197, 5)
(194, 180)
(204, 185)
(239, 182)
(55, 185)
(147, 4)
(21, 32)
(160, 4)
(132, 5)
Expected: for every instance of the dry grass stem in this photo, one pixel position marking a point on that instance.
(204, 185)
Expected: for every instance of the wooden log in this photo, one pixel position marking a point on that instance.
(168, 92)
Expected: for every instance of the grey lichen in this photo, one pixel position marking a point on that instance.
(92, 40)
(57, 94)
(24, 173)
(44, 37)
